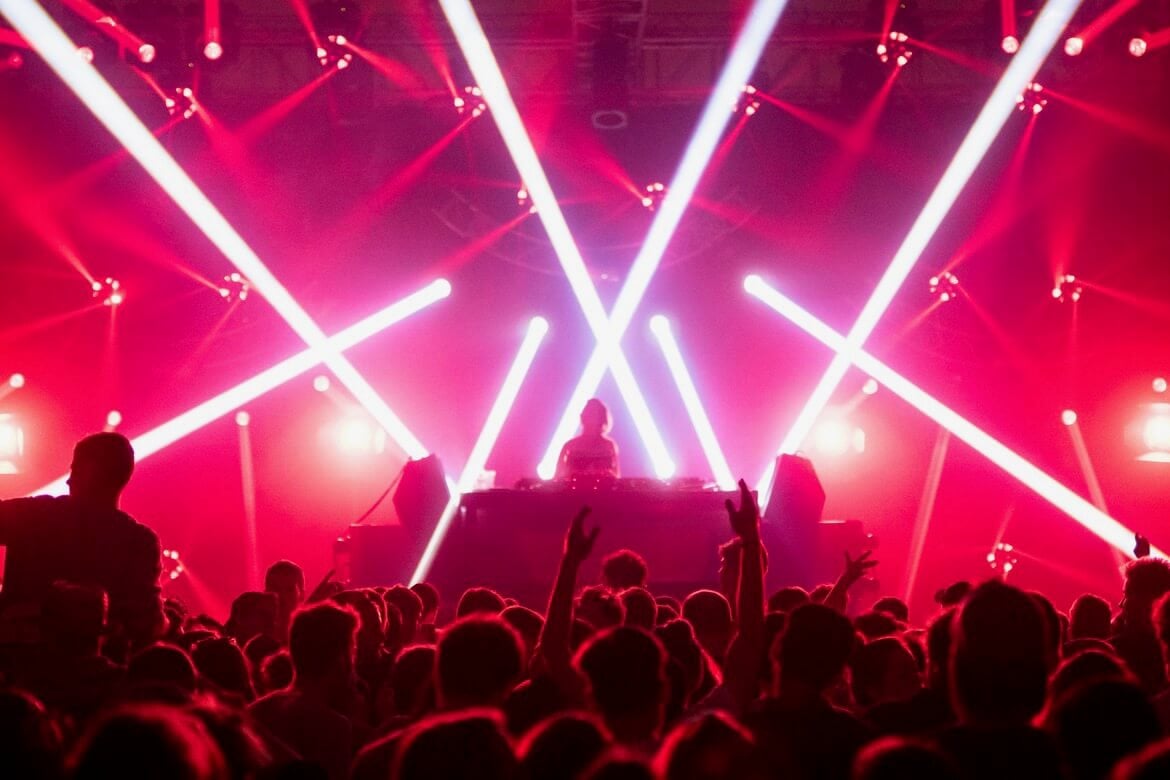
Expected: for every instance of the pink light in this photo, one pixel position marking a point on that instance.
(1076, 507)
(16, 381)
(232, 399)
(1156, 430)
(1068, 417)
(1138, 47)
(1159, 384)
(321, 383)
(660, 326)
(754, 34)
(243, 419)
(43, 34)
(493, 88)
(113, 419)
(1010, 44)
(213, 46)
(486, 441)
(1049, 24)
(1074, 46)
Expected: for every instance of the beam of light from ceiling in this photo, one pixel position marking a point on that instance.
(660, 326)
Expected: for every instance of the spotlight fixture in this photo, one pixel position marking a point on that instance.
(321, 383)
(109, 291)
(182, 102)
(746, 102)
(653, 195)
(243, 419)
(1074, 46)
(1138, 47)
(11, 443)
(16, 381)
(1032, 99)
(1067, 289)
(1159, 383)
(234, 288)
(1068, 417)
(470, 101)
(172, 567)
(1155, 434)
(945, 286)
(837, 437)
(113, 419)
(1010, 44)
(895, 49)
(1003, 558)
(870, 387)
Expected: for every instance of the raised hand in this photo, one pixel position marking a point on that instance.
(1141, 546)
(745, 521)
(856, 568)
(578, 541)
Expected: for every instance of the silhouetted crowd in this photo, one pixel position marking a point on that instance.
(102, 677)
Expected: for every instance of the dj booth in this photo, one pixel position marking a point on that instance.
(512, 540)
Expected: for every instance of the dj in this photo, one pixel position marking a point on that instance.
(592, 454)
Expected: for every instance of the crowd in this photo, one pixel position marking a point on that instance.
(104, 678)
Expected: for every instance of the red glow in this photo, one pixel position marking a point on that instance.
(301, 9)
(1154, 134)
(395, 72)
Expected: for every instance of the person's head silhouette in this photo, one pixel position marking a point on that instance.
(595, 419)
(101, 468)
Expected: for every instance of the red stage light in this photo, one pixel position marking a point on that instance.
(86, 53)
(1138, 47)
(1010, 44)
(16, 381)
(1074, 46)
(1068, 417)
(1159, 384)
(146, 53)
(1156, 430)
(213, 50)
(113, 419)
(321, 383)
(243, 419)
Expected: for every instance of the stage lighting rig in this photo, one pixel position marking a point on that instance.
(945, 286)
(181, 102)
(172, 567)
(16, 381)
(471, 101)
(896, 49)
(1032, 99)
(652, 196)
(1067, 289)
(1068, 417)
(747, 102)
(1010, 44)
(235, 288)
(1003, 558)
(1159, 384)
(109, 291)
(337, 22)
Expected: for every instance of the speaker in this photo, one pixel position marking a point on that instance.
(797, 496)
(791, 524)
(421, 494)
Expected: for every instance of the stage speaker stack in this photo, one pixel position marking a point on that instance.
(791, 525)
(386, 554)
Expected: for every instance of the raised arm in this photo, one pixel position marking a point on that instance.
(855, 569)
(554, 650)
(744, 655)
